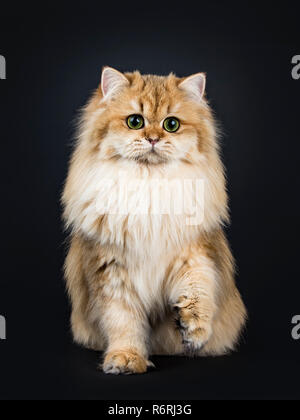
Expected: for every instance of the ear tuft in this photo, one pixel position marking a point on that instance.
(195, 86)
(112, 81)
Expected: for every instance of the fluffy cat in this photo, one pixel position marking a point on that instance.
(145, 284)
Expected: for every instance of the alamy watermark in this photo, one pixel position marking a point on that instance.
(158, 196)
(2, 318)
(296, 68)
(296, 328)
(2, 67)
(2, 328)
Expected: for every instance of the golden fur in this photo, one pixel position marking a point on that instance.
(143, 284)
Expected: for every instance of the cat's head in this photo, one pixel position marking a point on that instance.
(150, 119)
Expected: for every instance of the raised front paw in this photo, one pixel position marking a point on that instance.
(125, 362)
(194, 323)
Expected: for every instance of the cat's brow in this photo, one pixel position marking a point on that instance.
(136, 106)
(159, 111)
(142, 106)
(172, 109)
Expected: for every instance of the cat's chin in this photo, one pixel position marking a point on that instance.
(152, 158)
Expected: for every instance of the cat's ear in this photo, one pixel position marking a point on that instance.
(194, 85)
(112, 81)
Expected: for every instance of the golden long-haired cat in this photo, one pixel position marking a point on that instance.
(149, 282)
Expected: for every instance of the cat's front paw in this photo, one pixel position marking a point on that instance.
(195, 326)
(195, 339)
(125, 362)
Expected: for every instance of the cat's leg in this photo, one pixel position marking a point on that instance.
(192, 293)
(123, 322)
(231, 315)
(83, 331)
(202, 291)
(126, 333)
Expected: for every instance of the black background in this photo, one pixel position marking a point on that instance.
(54, 58)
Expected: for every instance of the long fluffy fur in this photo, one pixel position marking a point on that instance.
(148, 284)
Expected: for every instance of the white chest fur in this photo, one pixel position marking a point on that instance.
(149, 210)
(150, 214)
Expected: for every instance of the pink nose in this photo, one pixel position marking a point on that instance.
(153, 141)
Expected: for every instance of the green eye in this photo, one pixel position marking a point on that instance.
(171, 124)
(135, 122)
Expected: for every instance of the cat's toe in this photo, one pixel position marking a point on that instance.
(194, 340)
(125, 362)
(194, 326)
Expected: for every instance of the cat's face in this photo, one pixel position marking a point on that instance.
(151, 119)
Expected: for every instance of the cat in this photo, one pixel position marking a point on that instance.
(145, 284)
